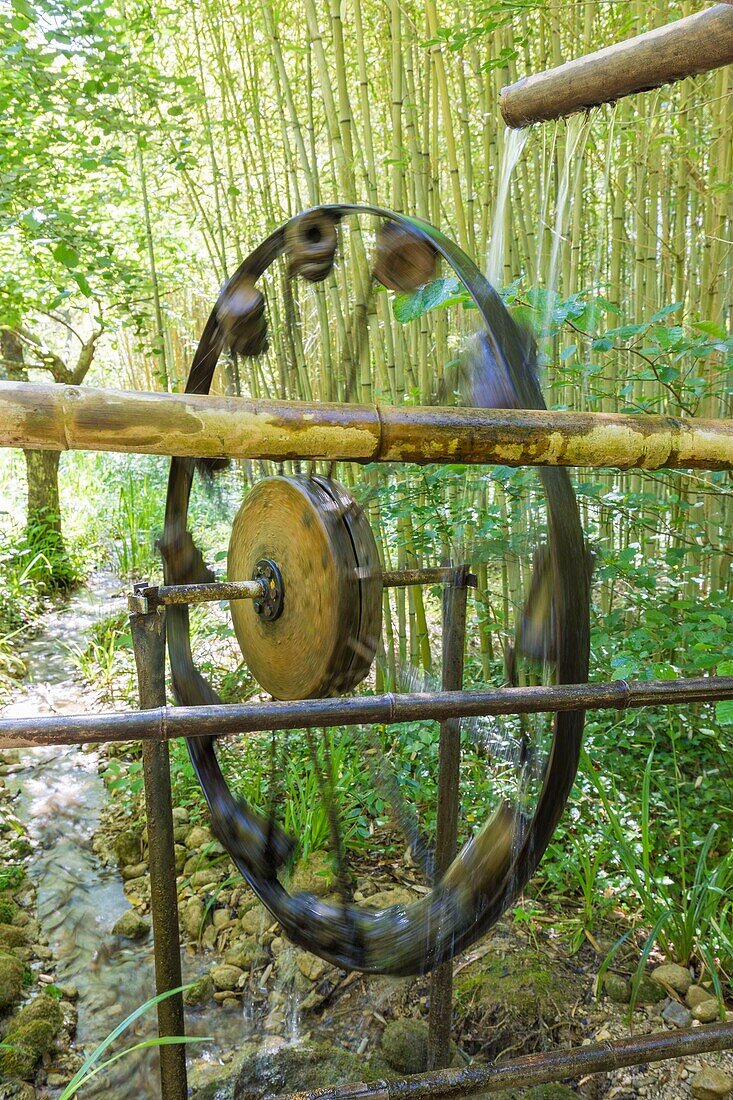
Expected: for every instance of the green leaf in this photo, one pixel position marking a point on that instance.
(22, 7)
(724, 708)
(66, 255)
(434, 295)
(82, 283)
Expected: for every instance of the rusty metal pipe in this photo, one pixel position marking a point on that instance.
(148, 637)
(58, 418)
(446, 834)
(535, 1069)
(163, 723)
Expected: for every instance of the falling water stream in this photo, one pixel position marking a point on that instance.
(59, 800)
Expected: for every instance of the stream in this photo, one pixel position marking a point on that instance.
(60, 796)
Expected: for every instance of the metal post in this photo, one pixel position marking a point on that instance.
(454, 638)
(148, 639)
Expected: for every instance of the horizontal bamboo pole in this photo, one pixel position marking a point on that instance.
(535, 1069)
(60, 418)
(695, 44)
(163, 723)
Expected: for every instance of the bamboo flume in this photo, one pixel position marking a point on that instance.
(59, 418)
(696, 44)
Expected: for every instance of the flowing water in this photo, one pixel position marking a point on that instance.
(514, 142)
(60, 796)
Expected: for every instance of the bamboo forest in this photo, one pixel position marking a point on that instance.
(366, 602)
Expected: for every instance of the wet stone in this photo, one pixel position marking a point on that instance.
(134, 870)
(180, 815)
(131, 925)
(200, 992)
(226, 976)
(255, 920)
(180, 832)
(10, 936)
(310, 966)
(128, 847)
(221, 917)
(208, 937)
(649, 992)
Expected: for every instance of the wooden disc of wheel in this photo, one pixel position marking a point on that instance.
(323, 640)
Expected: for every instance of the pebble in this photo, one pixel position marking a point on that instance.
(227, 977)
(197, 837)
(677, 1015)
(712, 1084)
(706, 1011)
(696, 994)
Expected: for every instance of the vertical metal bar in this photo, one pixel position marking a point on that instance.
(148, 639)
(454, 637)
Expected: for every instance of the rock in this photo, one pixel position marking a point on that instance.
(255, 920)
(137, 891)
(180, 854)
(310, 966)
(221, 917)
(197, 837)
(10, 756)
(129, 846)
(672, 975)
(244, 953)
(13, 1089)
(696, 994)
(297, 1068)
(199, 992)
(208, 937)
(677, 1015)
(180, 832)
(10, 936)
(43, 1007)
(30, 1036)
(515, 1001)
(711, 1084)
(706, 1011)
(649, 992)
(405, 1045)
(617, 989)
(134, 870)
(17, 1060)
(539, 1092)
(192, 917)
(206, 877)
(11, 979)
(180, 815)
(399, 895)
(132, 925)
(313, 876)
(8, 912)
(387, 994)
(225, 976)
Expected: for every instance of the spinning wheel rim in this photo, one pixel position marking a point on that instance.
(462, 907)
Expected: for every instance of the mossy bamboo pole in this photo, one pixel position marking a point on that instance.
(58, 418)
(696, 44)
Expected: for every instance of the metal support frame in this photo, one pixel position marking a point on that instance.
(156, 723)
(148, 640)
(446, 838)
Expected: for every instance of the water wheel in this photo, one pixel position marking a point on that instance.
(317, 627)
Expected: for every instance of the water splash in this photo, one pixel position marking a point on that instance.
(576, 136)
(514, 142)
